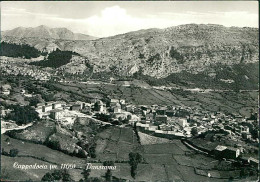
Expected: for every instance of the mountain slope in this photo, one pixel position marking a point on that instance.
(46, 32)
(161, 52)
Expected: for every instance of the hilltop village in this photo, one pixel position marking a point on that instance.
(204, 131)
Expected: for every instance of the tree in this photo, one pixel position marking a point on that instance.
(13, 152)
(57, 175)
(254, 133)
(54, 144)
(96, 106)
(129, 117)
(48, 177)
(108, 163)
(86, 173)
(108, 175)
(120, 119)
(4, 152)
(194, 131)
(56, 59)
(82, 153)
(66, 176)
(22, 114)
(134, 159)
(33, 101)
(92, 150)
(95, 179)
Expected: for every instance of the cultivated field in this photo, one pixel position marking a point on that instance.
(116, 143)
(227, 101)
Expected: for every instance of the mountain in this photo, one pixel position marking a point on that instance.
(159, 53)
(46, 32)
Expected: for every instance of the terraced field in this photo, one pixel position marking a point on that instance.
(116, 143)
(227, 101)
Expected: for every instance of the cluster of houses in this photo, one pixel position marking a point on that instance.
(168, 121)
(60, 111)
(9, 68)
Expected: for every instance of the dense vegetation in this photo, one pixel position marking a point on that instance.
(22, 114)
(57, 175)
(56, 59)
(134, 160)
(14, 50)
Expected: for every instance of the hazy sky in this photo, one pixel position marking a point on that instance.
(110, 18)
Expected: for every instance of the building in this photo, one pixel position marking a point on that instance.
(113, 102)
(129, 108)
(122, 101)
(226, 152)
(232, 152)
(244, 129)
(138, 111)
(254, 162)
(82, 104)
(246, 135)
(117, 108)
(56, 105)
(149, 116)
(170, 113)
(6, 92)
(182, 122)
(161, 118)
(100, 106)
(56, 113)
(161, 111)
(76, 107)
(47, 108)
(165, 127)
(5, 89)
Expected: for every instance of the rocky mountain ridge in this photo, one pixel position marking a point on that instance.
(46, 32)
(161, 52)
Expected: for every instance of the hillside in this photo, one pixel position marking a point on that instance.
(14, 50)
(239, 76)
(161, 52)
(46, 32)
(193, 51)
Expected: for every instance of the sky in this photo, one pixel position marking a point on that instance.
(103, 18)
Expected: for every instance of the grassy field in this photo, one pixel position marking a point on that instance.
(28, 152)
(40, 151)
(146, 139)
(8, 172)
(173, 161)
(169, 148)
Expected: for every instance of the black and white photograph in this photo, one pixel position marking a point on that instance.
(129, 91)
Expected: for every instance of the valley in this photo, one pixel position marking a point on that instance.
(173, 104)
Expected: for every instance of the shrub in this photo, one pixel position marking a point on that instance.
(13, 152)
